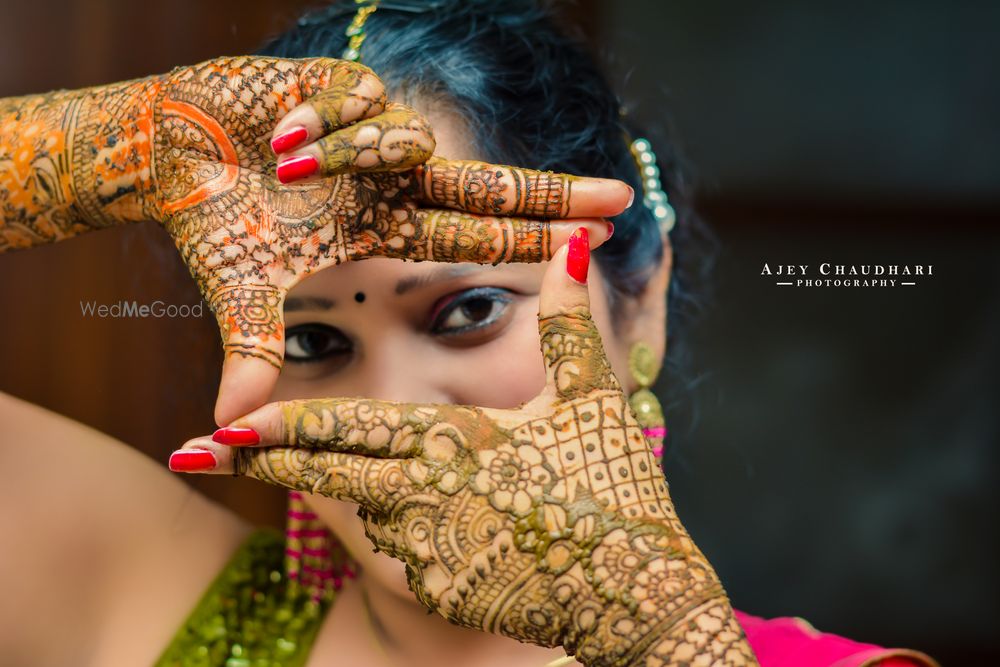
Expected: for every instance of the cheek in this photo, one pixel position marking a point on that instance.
(505, 372)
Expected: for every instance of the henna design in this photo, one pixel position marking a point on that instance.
(255, 313)
(453, 236)
(481, 187)
(190, 149)
(551, 524)
(64, 170)
(569, 343)
(397, 139)
(342, 94)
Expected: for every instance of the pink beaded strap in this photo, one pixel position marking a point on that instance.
(314, 558)
(656, 432)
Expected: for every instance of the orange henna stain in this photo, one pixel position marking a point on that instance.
(21, 145)
(231, 160)
(126, 162)
(260, 226)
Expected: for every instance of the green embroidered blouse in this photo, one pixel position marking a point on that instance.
(248, 617)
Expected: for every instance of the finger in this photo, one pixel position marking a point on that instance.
(398, 139)
(373, 483)
(443, 235)
(359, 426)
(335, 93)
(252, 327)
(575, 362)
(480, 187)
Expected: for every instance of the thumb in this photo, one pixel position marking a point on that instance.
(253, 340)
(575, 362)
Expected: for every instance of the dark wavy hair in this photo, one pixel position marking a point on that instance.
(531, 94)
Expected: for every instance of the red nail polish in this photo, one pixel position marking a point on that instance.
(611, 231)
(578, 257)
(286, 141)
(236, 436)
(297, 167)
(192, 460)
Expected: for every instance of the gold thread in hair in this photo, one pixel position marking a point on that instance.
(355, 31)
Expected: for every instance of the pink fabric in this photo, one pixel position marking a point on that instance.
(792, 642)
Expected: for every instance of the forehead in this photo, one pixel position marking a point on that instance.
(393, 280)
(451, 133)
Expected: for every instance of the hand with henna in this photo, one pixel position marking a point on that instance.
(195, 150)
(550, 523)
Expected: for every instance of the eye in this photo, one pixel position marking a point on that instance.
(314, 342)
(472, 316)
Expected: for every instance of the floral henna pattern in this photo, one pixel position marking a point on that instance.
(491, 189)
(569, 344)
(255, 313)
(396, 138)
(551, 524)
(345, 98)
(453, 236)
(191, 150)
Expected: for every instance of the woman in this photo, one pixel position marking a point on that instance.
(511, 487)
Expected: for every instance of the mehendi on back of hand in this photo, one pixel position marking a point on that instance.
(551, 523)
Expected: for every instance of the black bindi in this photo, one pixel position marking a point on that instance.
(360, 297)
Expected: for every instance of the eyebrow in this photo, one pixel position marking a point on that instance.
(308, 303)
(436, 276)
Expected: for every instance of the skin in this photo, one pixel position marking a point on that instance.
(186, 150)
(190, 150)
(428, 473)
(73, 573)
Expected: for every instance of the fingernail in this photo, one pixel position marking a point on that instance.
(611, 231)
(286, 141)
(192, 460)
(578, 256)
(631, 196)
(236, 436)
(297, 167)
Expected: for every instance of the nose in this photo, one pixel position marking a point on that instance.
(394, 367)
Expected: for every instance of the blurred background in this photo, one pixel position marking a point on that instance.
(835, 450)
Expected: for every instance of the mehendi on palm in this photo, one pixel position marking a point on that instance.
(190, 150)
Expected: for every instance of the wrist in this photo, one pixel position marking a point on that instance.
(656, 600)
(111, 152)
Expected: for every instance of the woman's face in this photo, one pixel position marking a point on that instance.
(420, 332)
